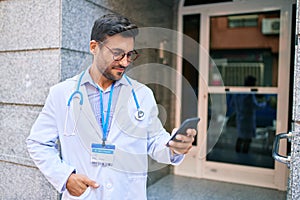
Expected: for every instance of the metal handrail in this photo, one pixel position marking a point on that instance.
(283, 159)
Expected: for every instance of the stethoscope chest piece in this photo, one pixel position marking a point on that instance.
(139, 115)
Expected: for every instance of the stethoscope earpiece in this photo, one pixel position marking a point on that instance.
(139, 115)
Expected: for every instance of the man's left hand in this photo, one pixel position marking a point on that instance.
(185, 142)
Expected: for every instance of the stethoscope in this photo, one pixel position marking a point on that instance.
(139, 114)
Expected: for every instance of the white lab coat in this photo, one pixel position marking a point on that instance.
(134, 140)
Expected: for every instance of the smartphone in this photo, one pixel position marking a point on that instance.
(190, 123)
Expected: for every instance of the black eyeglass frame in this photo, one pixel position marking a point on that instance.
(122, 55)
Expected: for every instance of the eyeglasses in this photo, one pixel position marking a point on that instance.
(120, 54)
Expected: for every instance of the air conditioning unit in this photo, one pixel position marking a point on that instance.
(270, 26)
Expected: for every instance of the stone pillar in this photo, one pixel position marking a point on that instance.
(296, 90)
(30, 64)
(294, 185)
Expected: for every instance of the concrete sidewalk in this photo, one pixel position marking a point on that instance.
(174, 187)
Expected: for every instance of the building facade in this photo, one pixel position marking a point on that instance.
(45, 42)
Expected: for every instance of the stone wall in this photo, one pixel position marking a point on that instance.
(42, 43)
(294, 183)
(30, 64)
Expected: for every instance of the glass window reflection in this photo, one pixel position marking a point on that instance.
(248, 135)
(242, 50)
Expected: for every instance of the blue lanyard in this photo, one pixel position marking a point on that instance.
(106, 122)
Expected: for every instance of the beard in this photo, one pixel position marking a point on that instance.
(107, 73)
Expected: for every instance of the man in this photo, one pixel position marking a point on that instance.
(108, 126)
(245, 107)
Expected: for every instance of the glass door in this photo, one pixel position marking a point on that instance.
(246, 56)
(242, 83)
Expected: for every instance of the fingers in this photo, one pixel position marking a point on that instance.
(78, 183)
(180, 148)
(185, 143)
(174, 131)
(189, 138)
(90, 183)
(180, 145)
(191, 132)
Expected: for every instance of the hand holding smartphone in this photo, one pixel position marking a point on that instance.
(190, 123)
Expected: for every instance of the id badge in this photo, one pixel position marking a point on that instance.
(102, 154)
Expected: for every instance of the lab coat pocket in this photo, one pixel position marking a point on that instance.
(137, 186)
(68, 196)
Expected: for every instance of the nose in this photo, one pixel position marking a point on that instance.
(124, 62)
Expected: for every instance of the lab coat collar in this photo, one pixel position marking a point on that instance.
(87, 127)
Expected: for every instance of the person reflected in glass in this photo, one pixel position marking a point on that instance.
(245, 106)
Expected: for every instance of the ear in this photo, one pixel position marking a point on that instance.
(93, 46)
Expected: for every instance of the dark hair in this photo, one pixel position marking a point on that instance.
(111, 24)
(250, 81)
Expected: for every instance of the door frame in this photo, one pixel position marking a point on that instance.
(195, 164)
